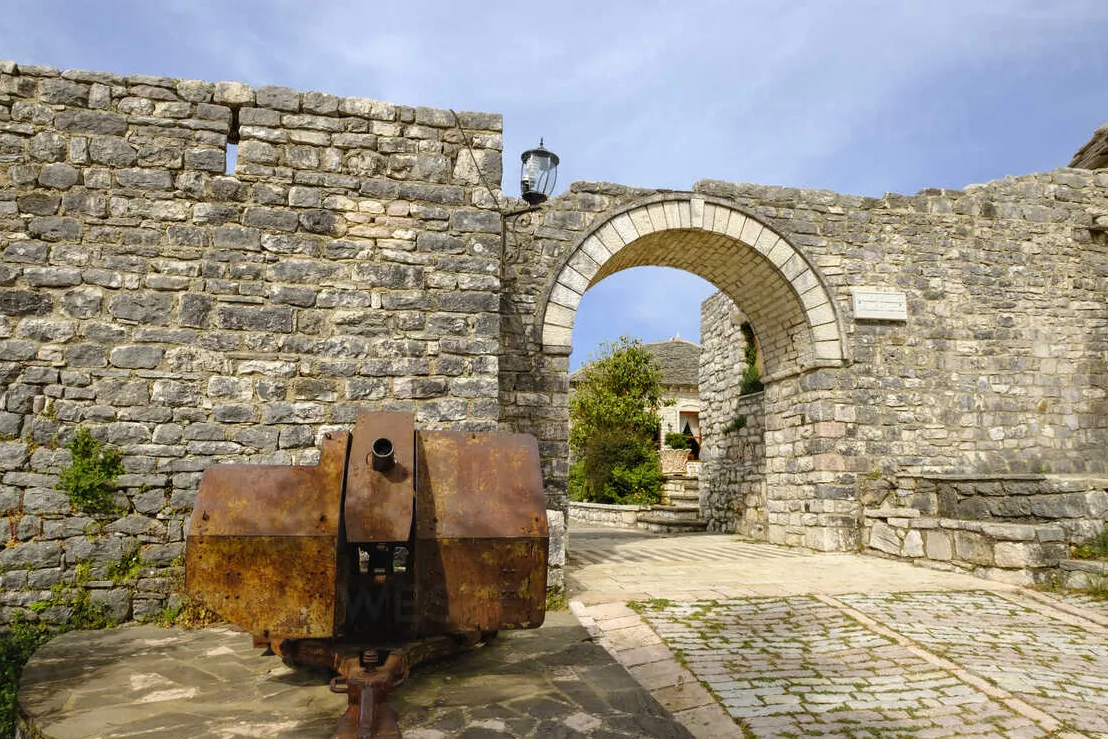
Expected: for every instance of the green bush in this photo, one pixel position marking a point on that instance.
(638, 485)
(751, 381)
(16, 647)
(578, 490)
(620, 467)
(90, 478)
(676, 440)
(738, 423)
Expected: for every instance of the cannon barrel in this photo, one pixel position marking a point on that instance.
(384, 458)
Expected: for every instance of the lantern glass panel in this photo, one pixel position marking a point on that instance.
(538, 174)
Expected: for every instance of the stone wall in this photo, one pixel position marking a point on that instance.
(1022, 554)
(605, 514)
(1016, 528)
(733, 494)
(1075, 503)
(999, 367)
(189, 316)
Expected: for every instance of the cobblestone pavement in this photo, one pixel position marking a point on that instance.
(816, 659)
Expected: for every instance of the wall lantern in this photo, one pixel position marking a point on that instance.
(538, 174)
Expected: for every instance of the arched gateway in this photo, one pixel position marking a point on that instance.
(779, 289)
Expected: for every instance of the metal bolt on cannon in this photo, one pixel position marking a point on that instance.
(399, 546)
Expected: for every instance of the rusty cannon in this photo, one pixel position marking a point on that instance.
(399, 546)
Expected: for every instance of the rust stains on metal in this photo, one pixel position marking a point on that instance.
(273, 500)
(380, 498)
(277, 586)
(430, 539)
(263, 548)
(479, 486)
(481, 532)
(481, 584)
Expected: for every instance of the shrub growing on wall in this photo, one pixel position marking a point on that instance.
(90, 479)
(752, 376)
(614, 425)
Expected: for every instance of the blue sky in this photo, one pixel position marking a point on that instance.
(857, 96)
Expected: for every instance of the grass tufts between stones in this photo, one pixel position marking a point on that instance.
(1093, 548)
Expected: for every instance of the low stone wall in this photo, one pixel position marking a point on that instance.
(605, 514)
(1079, 574)
(192, 316)
(1079, 504)
(1023, 554)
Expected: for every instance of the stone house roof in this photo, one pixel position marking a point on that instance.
(678, 359)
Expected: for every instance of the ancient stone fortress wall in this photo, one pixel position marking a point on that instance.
(733, 494)
(995, 365)
(190, 316)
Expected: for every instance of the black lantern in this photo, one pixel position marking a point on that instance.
(538, 174)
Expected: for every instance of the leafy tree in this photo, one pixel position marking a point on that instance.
(614, 426)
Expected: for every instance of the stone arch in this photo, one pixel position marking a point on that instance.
(781, 292)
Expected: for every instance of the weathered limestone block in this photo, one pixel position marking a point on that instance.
(88, 121)
(100, 551)
(884, 538)
(143, 308)
(1096, 504)
(117, 601)
(136, 357)
(32, 555)
(1028, 554)
(1066, 505)
(973, 548)
(913, 544)
(45, 501)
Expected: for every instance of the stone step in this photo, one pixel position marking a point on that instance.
(650, 523)
(676, 514)
(692, 498)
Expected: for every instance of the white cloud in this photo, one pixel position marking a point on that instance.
(859, 95)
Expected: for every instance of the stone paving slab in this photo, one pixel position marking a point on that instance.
(144, 681)
(935, 664)
(858, 648)
(1049, 660)
(614, 566)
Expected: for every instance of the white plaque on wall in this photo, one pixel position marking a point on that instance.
(880, 305)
